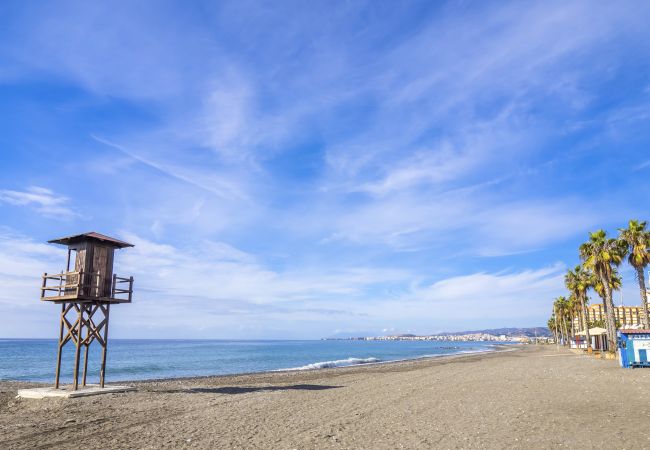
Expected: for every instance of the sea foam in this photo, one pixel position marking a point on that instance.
(337, 363)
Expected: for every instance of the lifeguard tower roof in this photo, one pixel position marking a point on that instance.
(91, 236)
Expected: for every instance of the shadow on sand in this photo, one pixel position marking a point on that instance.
(246, 389)
(233, 390)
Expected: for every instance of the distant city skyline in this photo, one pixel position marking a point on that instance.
(313, 169)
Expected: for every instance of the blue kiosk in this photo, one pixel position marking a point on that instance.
(634, 348)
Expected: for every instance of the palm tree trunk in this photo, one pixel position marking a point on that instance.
(585, 321)
(566, 333)
(644, 296)
(557, 337)
(609, 315)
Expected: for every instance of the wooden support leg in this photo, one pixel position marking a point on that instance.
(91, 331)
(60, 348)
(75, 381)
(102, 372)
(83, 378)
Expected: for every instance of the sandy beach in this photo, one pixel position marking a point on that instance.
(532, 397)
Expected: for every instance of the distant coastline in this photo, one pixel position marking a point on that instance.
(480, 337)
(539, 334)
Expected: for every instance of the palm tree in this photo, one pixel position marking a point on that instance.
(556, 320)
(552, 325)
(578, 281)
(561, 309)
(601, 255)
(637, 241)
(615, 284)
(573, 311)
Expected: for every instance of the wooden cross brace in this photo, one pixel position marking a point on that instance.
(74, 331)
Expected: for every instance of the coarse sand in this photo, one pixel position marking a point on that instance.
(528, 397)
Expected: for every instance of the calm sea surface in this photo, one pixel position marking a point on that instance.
(33, 360)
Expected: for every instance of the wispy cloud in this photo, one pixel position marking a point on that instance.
(477, 224)
(511, 295)
(501, 286)
(211, 183)
(237, 275)
(41, 199)
(643, 165)
(445, 76)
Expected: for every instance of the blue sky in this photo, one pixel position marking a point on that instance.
(310, 169)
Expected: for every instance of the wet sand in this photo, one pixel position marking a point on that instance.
(532, 397)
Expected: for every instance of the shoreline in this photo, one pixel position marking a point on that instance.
(497, 348)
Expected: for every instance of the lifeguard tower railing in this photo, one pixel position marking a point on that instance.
(86, 287)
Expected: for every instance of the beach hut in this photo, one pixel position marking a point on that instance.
(598, 339)
(634, 346)
(86, 294)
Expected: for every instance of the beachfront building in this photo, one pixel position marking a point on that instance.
(626, 316)
(630, 317)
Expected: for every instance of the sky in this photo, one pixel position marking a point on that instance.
(299, 170)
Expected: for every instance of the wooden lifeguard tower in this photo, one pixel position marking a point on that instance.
(85, 292)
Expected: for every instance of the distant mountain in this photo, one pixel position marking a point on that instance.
(510, 332)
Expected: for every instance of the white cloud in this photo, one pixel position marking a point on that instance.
(213, 287)
(215, 271)
(43, 200)
(22, 262)
(441, 76)
(482, 298)
(513, 227)
(216, 290)
(487, 287)
(426, 167)
(476, 222)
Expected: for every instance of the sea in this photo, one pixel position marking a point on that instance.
(34, 359)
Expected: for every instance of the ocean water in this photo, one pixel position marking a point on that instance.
(34, 359)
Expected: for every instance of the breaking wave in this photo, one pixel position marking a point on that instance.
(337, 363)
